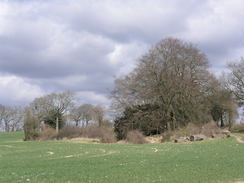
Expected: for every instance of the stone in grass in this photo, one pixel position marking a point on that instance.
(197, 137)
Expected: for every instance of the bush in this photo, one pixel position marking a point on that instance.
(136, 137)
(237, 128)
(190, 129)
(145, 118)
(106, 135)
(48, 134)
(166, 136)
(91, 132)
(210, 129)
(69, 132)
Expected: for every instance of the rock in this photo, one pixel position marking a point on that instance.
(182, 139)
(226, 133)
(197, 137)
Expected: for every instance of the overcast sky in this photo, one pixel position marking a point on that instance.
(81, 45)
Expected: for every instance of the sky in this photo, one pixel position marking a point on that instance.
(83, 45)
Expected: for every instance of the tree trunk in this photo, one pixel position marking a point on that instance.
(76, 123)
(57, 125)
(221, 121)
(99, 123)
(6, 127)
(168, 126)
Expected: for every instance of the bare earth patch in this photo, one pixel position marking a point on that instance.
(83, 140)
(50, 153)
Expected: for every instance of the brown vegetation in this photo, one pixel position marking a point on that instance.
(237, 128)
(105, 135)
(194, 132)
(136, 137)
(47, 134)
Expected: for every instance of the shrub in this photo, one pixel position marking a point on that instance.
(166, 136)
(48, 133)
(190, 129)
(237, 128)
(136, 137)
(91, 132)
(69, 132)
(145, 118)
(106, 135)
(210, 129)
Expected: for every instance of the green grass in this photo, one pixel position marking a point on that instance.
(239, 134)
(75, 162)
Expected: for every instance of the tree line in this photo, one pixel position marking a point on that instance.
(53, 110)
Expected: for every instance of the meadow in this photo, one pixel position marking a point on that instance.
(68, 161)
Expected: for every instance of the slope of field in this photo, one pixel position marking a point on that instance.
(75, 162)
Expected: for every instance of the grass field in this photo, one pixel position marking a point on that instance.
(75, 162)
(241, 135)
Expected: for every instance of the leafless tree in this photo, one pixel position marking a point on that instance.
(55, 103)
(82, 113)
(98, 114)
(236, 80)
(11, 118)
(6, 116)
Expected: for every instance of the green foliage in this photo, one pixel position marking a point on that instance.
(51, 119)
(145, 118)
(72, 161)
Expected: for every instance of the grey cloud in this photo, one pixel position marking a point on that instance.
(81, 45)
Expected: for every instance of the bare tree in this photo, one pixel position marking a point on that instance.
(82, 113)
(98, 114)
(52, 105)
(11, 118)
(6, 116)
(236, 80)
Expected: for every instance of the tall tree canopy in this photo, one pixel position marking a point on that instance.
(173, 76)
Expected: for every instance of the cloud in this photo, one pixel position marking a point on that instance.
(92, 98)
(16, 91)
(81, 45)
